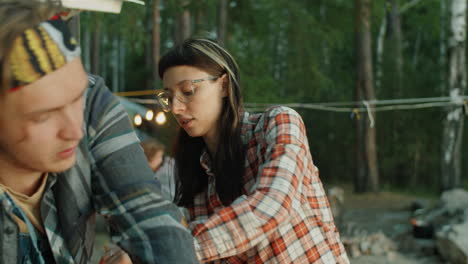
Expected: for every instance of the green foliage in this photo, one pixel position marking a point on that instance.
(303, 51)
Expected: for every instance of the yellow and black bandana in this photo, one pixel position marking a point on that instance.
(41, 50)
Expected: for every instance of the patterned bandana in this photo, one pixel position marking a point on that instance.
(41, 50)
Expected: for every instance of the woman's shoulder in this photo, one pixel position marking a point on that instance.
(269, 113)
(273, 117)
(279, 110)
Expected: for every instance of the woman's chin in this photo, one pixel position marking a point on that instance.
(191, 133)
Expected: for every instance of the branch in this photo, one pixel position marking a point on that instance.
(407, 6)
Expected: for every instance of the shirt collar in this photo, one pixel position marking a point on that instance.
(205, 162)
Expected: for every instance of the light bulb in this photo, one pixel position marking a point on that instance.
(137, 120)
(149, 115)
(161, 118)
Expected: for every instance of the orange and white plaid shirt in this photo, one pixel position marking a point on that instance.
(283, 215)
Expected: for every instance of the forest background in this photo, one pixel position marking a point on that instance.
(312, 52)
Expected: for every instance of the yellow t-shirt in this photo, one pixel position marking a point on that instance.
(31, 206)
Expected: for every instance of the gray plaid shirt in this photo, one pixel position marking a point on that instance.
(111, 177)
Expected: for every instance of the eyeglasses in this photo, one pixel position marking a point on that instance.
(184, 92)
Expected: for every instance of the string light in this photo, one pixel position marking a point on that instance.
(137, 120)
(160, 118)
(149, 115)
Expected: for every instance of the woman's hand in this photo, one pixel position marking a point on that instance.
(114, 255)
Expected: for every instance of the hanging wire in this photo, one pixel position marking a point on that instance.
(343, 107)
(380, 105)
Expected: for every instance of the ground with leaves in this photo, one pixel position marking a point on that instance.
(386, 214)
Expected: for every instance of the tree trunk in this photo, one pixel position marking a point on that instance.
(115, 64)
(395, 81)
(417, 47)
(96, 48)
(156, 40)
(200, 17)
(396, 54)
(325, 48)
(361, 171)
(183, 25)
(364, 86)
(414, 179)
(86, 50)
(453, 125)
(104, 67)
(222, 22)
(122, 63)
(148, 57)
(380, 52)
(443, 47)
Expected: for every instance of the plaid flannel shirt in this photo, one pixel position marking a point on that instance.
(283, 215)
(111, 177)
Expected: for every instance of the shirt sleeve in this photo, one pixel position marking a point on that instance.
(142, 222)
(165, 175)
(250, 219)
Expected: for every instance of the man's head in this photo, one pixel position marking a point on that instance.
(42, 85)
(16, 16)
(154, 152)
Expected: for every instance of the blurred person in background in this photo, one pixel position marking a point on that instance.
(162, 166)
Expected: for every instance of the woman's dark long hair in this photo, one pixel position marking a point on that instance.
(229, 160)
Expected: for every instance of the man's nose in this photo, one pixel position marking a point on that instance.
(72, 125)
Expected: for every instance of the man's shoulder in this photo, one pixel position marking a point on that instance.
(96, 86)
(94, 80)
(99, 98)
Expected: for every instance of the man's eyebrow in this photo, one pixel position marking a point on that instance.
(43, 111)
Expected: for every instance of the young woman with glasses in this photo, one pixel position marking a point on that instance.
(248, 181)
